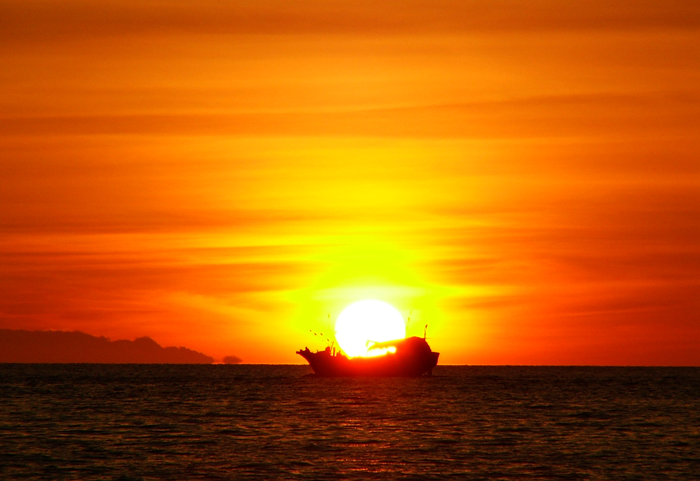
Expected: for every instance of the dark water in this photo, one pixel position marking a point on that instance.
(276, 422)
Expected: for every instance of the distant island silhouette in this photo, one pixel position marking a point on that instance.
(78, 347)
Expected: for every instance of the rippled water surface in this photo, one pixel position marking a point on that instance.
(278, 422)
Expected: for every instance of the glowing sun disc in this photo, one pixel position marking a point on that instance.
(365, 322)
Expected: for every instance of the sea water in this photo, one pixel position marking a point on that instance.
(182, 422)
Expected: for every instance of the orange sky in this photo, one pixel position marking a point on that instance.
(523, 176)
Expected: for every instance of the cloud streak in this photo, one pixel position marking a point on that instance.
(50, 20)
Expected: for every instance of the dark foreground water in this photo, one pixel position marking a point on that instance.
(277, 422)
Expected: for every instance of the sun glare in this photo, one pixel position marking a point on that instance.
(363, 323)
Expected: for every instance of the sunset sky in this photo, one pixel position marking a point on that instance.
(524, 177)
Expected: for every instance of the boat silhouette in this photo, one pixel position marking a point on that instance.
(411, 356)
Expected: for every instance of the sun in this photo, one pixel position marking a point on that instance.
(363, 323)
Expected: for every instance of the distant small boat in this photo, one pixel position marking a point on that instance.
(405, 357)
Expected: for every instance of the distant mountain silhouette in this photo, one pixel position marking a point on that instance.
(76, 346)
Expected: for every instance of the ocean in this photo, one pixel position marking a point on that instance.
(230, 422)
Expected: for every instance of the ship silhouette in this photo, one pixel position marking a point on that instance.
(411, 356)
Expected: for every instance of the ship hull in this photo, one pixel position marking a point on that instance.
(411, 359)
